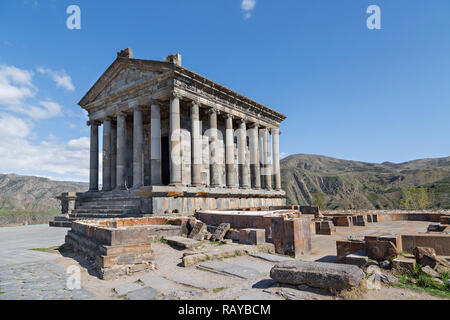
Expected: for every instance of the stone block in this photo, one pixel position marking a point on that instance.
(444, 220)
(404, 265)
(184, 243)
(380, 250)
(317, 274)
(439, 242)
(342, 221)
(346, 247)
(221, 231)
(358, 259)
(325, 227)
(199, 232)
(252, 236)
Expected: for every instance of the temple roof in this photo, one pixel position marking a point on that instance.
(172, 64)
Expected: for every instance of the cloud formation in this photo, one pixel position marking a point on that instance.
(247, 6)
(61, 79)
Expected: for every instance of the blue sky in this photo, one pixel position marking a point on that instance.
(349, 92)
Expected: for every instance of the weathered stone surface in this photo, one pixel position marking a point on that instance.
(221, 231)
(199, 232)
(230, 269)
(317, 274)
(346, 247)
(425, 256)
(404, 265)
(182, 242)
(143, 294)
(380, 250)
(155, 282)
(388, 278)
(257, 296)
(429, 271)
(385, 264)
(252, 236)
(358, 259)
(126, 288)
(271, 257)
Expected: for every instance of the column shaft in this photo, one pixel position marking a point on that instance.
(276, 158)
(196, 150)
(93, 166)
(213, 150)
(138, 140)
(175, 141)
(229, 149)
(121, 151)
(268, 167)
(106, 155)
(243, 165)
(155, 146)
(113, 155)
(254, 158)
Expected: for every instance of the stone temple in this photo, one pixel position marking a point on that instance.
(175, 142)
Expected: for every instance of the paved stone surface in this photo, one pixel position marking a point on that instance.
(16, 242)
(262, 267)
(143, 294)
(126, 288)
(231, 269)
(271, 257)
(38, 281)
(206, 284)
(155, 282)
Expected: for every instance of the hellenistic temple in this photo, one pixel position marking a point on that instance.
(175, 142)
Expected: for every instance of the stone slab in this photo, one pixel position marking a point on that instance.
(143, 294)
(126, 288)
(185, 243)
(206, 284)
(271, 257)
(230, 269)
(317, 274)
(155, 282)
(261, 267)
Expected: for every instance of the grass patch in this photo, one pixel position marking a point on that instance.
(1, 293)
(216, 290)
(422, 282)
(122, 296)
(216, 243)
(162, 240)
(55, 250)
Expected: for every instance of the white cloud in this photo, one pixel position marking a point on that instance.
(61, 79)
(21, 155)
(284, 155)
(18, 94)
(15, 85)
(247, 6)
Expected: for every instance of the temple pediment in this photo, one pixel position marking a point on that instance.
(122, 75)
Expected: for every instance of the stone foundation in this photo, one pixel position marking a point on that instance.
(120, 246)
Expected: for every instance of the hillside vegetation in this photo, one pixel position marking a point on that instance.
(31, 199)
(347, 184)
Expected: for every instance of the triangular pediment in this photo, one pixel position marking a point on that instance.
(121, 75)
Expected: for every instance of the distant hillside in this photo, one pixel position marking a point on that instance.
(362, 185)
(31, 199)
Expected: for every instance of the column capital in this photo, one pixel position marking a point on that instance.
(93, 123)
(175, 95)
(195, 102)
(121, 114)
(213, 110)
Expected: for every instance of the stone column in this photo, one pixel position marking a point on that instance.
(276, 157)
(196, 146)
(155, 145)
(113, 155)
(262, 157)
(229, 149)
(121, 151)
(254, 158)
(93, 167)
(138, 140)
(244, 174)
(213, 149)
(175, 141)
(268, 167)
(107, 155)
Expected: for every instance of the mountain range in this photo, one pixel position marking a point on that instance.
(348, 184)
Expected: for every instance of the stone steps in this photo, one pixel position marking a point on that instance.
(106, 211)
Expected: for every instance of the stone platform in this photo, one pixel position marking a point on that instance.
(161, 201)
